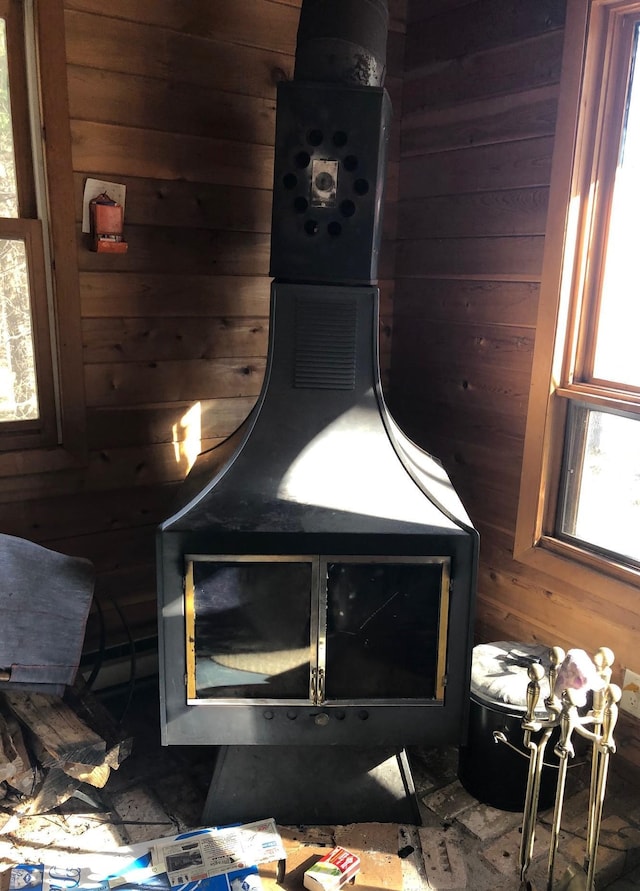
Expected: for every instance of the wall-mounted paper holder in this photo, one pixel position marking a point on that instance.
(106, 219)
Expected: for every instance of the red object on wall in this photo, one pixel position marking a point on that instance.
(107, 219)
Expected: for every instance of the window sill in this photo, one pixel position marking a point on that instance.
(581, 569)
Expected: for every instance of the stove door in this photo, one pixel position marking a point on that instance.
(316, 629)
(386, 628)
(250, 628)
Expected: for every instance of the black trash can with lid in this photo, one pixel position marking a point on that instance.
(491, 771)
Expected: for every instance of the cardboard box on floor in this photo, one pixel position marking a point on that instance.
(376, 844)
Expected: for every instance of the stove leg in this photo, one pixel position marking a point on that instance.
(313, 785)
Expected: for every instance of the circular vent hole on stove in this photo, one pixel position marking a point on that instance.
(350, 162)
(311, 227)
(290, 181)
(334, 228)
(347, 208)
(361, 186)
(315, 137)
(300, 204)
(339, 138)
(303, 159)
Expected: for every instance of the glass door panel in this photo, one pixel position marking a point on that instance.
(249, 629)
(386, 629)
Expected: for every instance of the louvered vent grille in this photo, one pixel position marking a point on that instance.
(325, 346)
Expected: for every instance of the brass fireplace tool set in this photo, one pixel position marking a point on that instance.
(571, 677)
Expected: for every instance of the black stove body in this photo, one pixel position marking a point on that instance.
(316, 587)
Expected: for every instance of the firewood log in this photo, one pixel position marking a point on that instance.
(64, 736)
(10, 761)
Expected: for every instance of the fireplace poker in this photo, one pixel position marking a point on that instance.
(536, 762)
(569, 677)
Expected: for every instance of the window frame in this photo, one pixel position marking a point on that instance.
(22, 434)
(12, 12)
(562, 355)
(47, 224)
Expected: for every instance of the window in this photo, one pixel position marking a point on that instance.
(25, 356)
(580, 492)
(41, 396)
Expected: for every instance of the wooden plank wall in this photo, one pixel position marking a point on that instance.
(477, 130)
(479, 105)
(176, 101)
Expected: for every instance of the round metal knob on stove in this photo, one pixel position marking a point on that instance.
(324, 182)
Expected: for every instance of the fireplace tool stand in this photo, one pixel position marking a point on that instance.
(596, 726)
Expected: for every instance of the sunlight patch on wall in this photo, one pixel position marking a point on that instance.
(187, 436)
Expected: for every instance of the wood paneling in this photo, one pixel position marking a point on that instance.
(467, 300)
(122, 427)
(476, 214)
(170, 249)
(500, 71)
(484, 122)
(125, 151)
(476, 145)
(259, 24)
(518, 165)
(131, 294)
(455, 33)
(518, 257)
(133, 340)
(480, 94)
(127, 383)
(176, 101)
(182, 112)
(149, 103)
(113, 44)
(188, 205)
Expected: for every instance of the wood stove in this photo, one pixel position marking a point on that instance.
(316, 585)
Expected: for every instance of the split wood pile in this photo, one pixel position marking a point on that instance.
(50, 746)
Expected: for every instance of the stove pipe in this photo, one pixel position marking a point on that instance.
(342, 41)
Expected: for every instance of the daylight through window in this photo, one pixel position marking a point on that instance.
(27, 409)
(599, 499)
(579, 502)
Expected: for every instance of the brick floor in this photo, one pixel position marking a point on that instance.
(461, 844)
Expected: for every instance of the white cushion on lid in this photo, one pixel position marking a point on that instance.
(499, 673)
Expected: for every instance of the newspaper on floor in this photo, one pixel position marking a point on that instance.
(139, 878)
(220, 859)
(211, 852)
